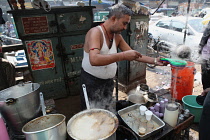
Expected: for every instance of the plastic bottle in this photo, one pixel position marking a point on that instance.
(162, 107)
(186, 113)
(157, 107)
(152, 109)
(161, 115)
(157, 114)
(3, 130)
(165, 101)
(180, 119)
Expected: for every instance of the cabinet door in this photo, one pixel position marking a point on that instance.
(42, 24)
(138, 41)
(73, 59)
(75, 21)
(136, 36)
(46, 66)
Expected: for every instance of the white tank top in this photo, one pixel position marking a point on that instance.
(103, 72)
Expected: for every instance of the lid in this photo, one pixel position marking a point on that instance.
(175, 62)
(172, 106)
(144, 87)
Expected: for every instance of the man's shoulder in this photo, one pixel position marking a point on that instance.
(94, 30)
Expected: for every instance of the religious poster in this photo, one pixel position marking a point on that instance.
(40, 54)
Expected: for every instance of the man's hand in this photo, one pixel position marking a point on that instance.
(131, 55)
(161, 63)
(205, 92)
(200, 49)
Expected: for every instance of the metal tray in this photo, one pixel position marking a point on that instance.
(123, 113)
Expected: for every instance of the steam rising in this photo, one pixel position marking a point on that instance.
(103, 102)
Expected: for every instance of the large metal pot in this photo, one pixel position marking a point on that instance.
(92, 124)
(49, 127)
(20, 104)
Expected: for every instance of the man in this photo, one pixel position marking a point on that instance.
(7, 74)
(100, 57)
(204, 132)
(205, 66)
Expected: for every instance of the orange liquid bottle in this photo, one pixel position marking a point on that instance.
(183, 84)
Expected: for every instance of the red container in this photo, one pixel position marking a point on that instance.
(183, 79)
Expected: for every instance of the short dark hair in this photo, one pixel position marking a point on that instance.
(119, 10)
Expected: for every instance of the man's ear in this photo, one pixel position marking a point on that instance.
(113, 18)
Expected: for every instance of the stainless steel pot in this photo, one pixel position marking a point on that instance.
(136, 99)
(93, 120)
(19, 104)
(49, 127)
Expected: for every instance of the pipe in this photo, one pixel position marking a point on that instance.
(185, 32)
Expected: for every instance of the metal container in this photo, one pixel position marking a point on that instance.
(20, 104)
(93, 120)
(126, 113)
(49, 127)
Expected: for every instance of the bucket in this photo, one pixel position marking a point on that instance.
(19, 104)
(48, 127)
(183, 84)
(190, 103)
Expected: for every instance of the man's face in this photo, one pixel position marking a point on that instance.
(120, 24)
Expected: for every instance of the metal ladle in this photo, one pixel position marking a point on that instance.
(86, 97)
(42, 104)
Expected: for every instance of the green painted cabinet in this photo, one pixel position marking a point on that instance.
(131, 73)
(53, 43)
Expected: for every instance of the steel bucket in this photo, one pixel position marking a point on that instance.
(19, 104)
(49, 127)
(88, 125)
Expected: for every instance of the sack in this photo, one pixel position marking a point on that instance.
(206, 50)
(38, 4)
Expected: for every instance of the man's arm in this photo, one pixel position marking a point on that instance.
(146, 59)
(205, 91)
(93, 44)
(205, 37)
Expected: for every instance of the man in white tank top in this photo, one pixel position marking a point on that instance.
(100, 56)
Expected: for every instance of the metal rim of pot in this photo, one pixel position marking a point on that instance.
(12, 100)
(92, 111)
(136, 99)
(33, 132)
(19, 104)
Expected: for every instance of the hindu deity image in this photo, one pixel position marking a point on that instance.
(40, 54)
